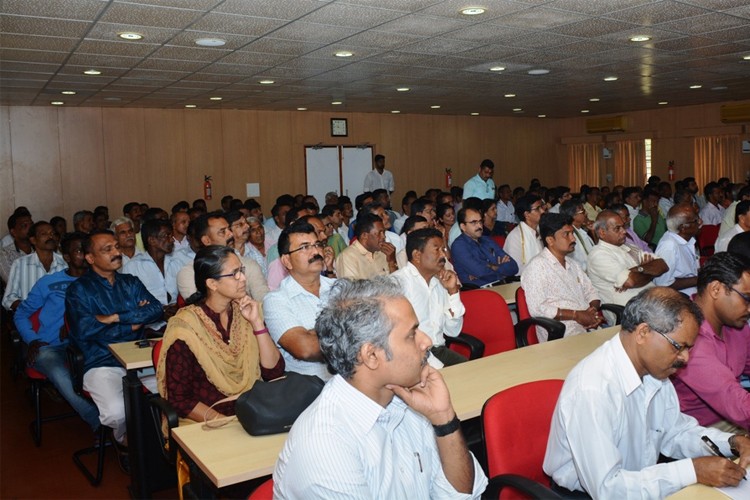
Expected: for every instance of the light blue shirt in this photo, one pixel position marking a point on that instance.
(477, 188)
(143, 267)
(180, 259)
(292, 306)
(25, 272)
(345, 445)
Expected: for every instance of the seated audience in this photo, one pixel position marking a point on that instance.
(134, 211)
(709, 387)
(728, 222)
(665, 198)
(581, 227)
(631, 238)
(490, 225)
(741, 225)
(677, 249)
(180, 221)
(276, 223)
(277, 271)
(432, 291)
(618, 411)
(83, 221)
(631, 197)
(455, 231)
(371, 255)
(218, 346)
(555, 285)
(384, 426)
(650, 224)
(332, 220)
(712, 212)
(740, 244)
(347, 213)
(255, 248)
(478, 259)
(446, 219)
(523, 242)
(60, 225)
(591, 196)
(19, 224)
(124, 231)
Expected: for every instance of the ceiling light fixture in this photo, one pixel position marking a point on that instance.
(92, 72)
(472, 11)
(541, 116)
(130, 35)
(610, 78)
(68, 92)
(403, 89)
(696, 86)
(215, 98)
(539, 71)
(266, 82)
(510, 95)
(112, 99)
(516, 110)
(640, 38)
(190, 106)
(584, 111)
(594, 99)
(746, 58)
(344, 53)
(336, 103)
(719, 87)
(210, 42)
(474, 114)
(395, 111)
(497, 68)
(57, 103)
(435, 107)
(662, 103)
(301, 109)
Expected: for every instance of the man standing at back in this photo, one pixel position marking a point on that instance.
(379, 177)
(481, 185)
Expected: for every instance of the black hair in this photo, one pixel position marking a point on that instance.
(550, 223)
(725, 267)
(419, 205)
(233, 216)
(151, 228)
(570, 207)
(88, 242)
(13, 219)
(235, 204)
(740, 244)
(365, 223)
(299, 227)
(410, 222)
(487, 163)
(418, 239)
(360, 199)
(329, 210)
(277, 208)
(227, 199)
(180, 206)
(379, 157)
(200, 224)
(35, 227)
(524, 203)
(128, 207)
(251, 204)
(68, 239)
(442, 209)
(742, 208)
(207, 265)
(343, 200)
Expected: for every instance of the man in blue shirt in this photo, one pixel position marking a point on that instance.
(105, 307)
(481, 185)
(478, 259)
(46, 350)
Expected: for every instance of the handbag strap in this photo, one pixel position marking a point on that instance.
(218, 422)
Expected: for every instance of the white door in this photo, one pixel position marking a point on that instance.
(356, 163)
(323, 171)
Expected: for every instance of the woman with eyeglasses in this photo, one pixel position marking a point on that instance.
(217, 346)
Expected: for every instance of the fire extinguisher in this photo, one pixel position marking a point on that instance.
(207, 187)
(671, 170)
(448, 178)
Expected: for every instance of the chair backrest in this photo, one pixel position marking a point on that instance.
(34, 319)
(522, 307)
(155, 352)
(488, 318)
(180, 302)
(515, 427)
(499, 239)
(707, 238)
(262, 492)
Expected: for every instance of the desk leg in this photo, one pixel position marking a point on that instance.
(135, 407)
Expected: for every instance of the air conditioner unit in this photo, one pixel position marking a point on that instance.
(735, 113)
(607, 124)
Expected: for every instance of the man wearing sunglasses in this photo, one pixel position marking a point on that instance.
(618, 411)
(709, 388)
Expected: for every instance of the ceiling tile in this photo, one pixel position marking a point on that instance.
(440, 46)
(401, 5)
(38, 42)
(82, 10)
(705, 24)
(187, 38)
(541, 18)
(39, 25)
(657, 13)
(37, 56)
(351, 16)
(284, 47)
(189, 54)
(152, 34)
(202, 5)
(239, 25)
(99, 61)
(312, 32)
(147, 15)
(171, 65)
(593, 27)
(596, 7)
(417, 24)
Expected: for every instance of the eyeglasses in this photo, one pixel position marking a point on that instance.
(308, 246)
(473, 222)
(690, 222)
(743, 295)
(679, 347)
(236, 274)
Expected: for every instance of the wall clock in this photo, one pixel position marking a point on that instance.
(339, 127)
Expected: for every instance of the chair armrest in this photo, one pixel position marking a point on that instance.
(162, 409)
(520, 483)
(19, 361)
(615, 309)
(76, 363)
(511, 279)
(468, 286)
(555, 329)
(475, 346)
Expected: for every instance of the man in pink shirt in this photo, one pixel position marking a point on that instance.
(709, 387)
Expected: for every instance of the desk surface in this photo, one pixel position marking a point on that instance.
(698, 492)
(228, 455)
(507, 291)
(131, 356)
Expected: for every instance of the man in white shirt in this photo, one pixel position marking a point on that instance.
(384, 426)
(276, 223)
(506, 212)
(180, 221)
(618, 411)
(379, 177)
(291, 309)
(677, 249)
(619, 271)
(631, 197)
(555, 285)
(124, 231)
(523, 242)
(481, 185)
(728, 221)
(742, 224)
(665, 198)
(432, 291)
(712, 212)
(584, 243)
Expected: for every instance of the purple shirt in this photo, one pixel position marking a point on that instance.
(634, 240)
(708, 387)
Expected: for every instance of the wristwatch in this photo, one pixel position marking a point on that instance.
(732, 447)
(639, 269)
(449, 428)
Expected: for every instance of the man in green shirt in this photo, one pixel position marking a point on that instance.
(650, 224)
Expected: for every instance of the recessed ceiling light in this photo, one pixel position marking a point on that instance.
(662, 103)
(210, 42)
(594, 99)
(510, 95)
(266, 82)
(472, 11)
(130, 35)
(190, 106)
(584, 111)
(516, 110)
(610, 78)
(301, 109)
(68, 92)
(541, 116)
(435, 107)
(403, 89)
(344, 53)
(92, 72)
(336, 103)
(215, 98)
(395, 111)
(112, 99)
(746, 58)
(539, 71)
(474, 114)
(497, 68)
(640, 38)
(696, 86)
(719, 87)
(57, 103)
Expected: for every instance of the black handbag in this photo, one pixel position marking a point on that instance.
(272, 407)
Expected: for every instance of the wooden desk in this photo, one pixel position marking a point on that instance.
(698, 492)
(507, 291)
(228, 455)
(131, 356)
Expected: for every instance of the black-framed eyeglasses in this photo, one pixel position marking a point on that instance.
(236, 274)
(678, 347)
(745, 296)
(308, 246)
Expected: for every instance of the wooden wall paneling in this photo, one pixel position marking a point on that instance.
(204, 155)
(124, 156)
(164, 182)
(7, 189)
(240, 151)
(282, 162)
(422, 154)
(35, 147)
(84, 183)
(395, 145)
(445, 137)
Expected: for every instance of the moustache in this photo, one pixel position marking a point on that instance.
(117, 257)
(315, 257)
(50, 241)
(424, 360)
(679, 364)
(442, 260)
(230, 242)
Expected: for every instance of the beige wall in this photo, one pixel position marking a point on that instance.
(59, 160)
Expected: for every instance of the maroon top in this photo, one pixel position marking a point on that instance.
(187, 384)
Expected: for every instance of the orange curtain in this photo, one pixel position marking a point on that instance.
(630, 163)
(584, 164)
(718, 156)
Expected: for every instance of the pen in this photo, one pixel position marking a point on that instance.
(715, 449)
(419, 460)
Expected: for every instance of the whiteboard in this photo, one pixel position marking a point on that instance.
(323, 171)
(357, 162)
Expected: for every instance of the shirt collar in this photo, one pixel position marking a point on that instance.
(364, 411)
(624, 367)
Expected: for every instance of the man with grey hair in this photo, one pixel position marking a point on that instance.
(83, 221)
(124, 230)
(677, 248)
(618, 411)
(384, 426)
